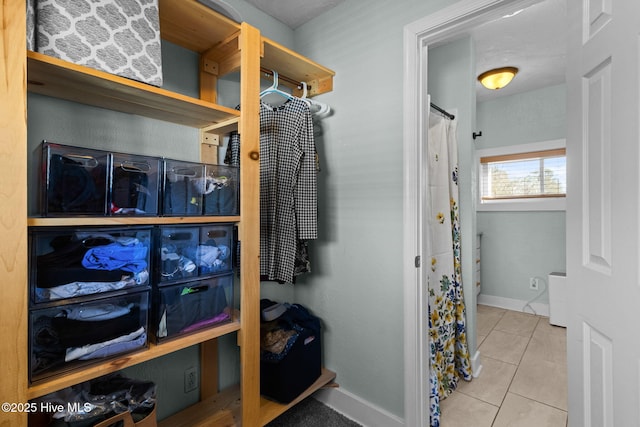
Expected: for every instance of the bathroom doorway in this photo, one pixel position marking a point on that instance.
(433, 31)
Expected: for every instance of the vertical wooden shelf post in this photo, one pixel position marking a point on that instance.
(208, 78)
(13, 211)
(208, 92)
(249, 228)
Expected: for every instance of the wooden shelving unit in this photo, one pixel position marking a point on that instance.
(112, 365)
(224, 46)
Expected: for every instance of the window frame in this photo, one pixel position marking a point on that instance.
(542, 203)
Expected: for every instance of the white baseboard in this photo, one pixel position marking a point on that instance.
(357, 409)
(541, 309)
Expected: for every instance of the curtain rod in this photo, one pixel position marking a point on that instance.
(286, 79)
(440, 110)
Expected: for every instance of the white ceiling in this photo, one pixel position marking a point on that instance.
(294, 12)
(533, 39)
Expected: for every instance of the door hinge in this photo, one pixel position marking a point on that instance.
(416, 261)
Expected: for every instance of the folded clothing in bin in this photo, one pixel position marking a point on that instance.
(222, 190)
(75, 262)
(134, 184)
(290, 356)
(190, 306)
(76, 183)
(66, 336)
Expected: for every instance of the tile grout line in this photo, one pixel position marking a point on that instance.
(514, 374)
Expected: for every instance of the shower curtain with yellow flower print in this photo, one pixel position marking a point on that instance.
(448, 340)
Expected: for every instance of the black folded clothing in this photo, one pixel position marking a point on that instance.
(182, 198)
(130, 190)
(221, 201)
(77, 333)
(73, 187)
(51, 277)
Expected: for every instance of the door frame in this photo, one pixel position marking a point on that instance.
(418, 36)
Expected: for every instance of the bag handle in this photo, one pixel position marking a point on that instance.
(125, 417)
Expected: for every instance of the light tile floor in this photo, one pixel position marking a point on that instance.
(523, 381)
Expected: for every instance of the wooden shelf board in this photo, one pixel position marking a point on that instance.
(223, 127)
(112, 365)
(224, 408)
(51, 76)
(126, 220)
(193, 25)
(270, 410)
(296, 67)
(221, 410)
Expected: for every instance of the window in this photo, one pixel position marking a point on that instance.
(522, 178)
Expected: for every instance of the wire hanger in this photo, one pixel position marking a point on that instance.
(323, 109)
(274, 88)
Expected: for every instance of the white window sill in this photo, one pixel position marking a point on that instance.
(555, 204)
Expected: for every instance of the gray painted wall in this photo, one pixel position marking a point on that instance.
(539, 115)
(520, 245)
(356, 285)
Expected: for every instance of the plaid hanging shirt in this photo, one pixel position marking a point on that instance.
(288, 186)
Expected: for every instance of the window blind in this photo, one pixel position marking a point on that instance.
(533, 174)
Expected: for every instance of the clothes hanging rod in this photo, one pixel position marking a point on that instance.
(285, 79)
(440, 110)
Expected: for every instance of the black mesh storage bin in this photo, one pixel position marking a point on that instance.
(182, 188)
(222, 193)
(190, 251)
(69, 336)
(68, 262)
(135, 185)
(74, 180)
(188, 307)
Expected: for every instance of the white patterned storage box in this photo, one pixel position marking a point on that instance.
(117, 36)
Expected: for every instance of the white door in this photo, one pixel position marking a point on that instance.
(603, 214)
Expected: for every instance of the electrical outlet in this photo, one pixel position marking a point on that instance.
(533, 283)
(190, 379)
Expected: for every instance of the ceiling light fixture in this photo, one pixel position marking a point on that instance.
(498, 77)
